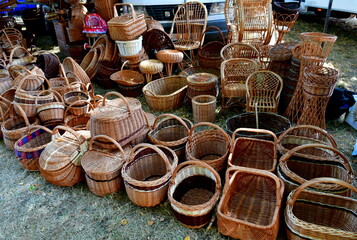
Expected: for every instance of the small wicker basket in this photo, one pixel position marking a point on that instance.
(204, 108)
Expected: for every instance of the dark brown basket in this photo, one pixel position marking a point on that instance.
(209, 54)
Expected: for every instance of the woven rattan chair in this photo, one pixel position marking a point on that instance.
(189, 23)
(263, 91)
(240, 50)
(234, 73)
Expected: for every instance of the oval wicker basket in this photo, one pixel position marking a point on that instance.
(52, 112)
(127, 77)
(165, 93)
(78, 122)
(147, 174)
(193, 193)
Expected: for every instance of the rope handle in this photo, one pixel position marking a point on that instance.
(57, 96)
(170, 116)
(108, 138)
(133, 14)
(317, 129)
(200, 164)
(210, 125)
(118, 95)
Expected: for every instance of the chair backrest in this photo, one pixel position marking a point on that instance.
(189, 22)
(240, 50)
(264, 84)
(237, 70)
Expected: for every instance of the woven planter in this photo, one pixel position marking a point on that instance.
(166, 93)
(123, 122)
(210, 145)
(253, 152)
(147, 174)
(128, 26)
(171, 131)
(103, 168)
(193, 193)
(204, 108)
(52, 112)
(30, 146)
(60, 162)
(250, 205)
(316, 215)
(295, 170)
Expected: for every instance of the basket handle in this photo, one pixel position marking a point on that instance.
(4, 100)
(32, 127)
(253, 130)
(170, 116)
(77, 102)
(97, 99)
(124, 4)
(32, 75)
(200, 164)
(118, 95)
(2, 114)
(110, 139)
(295, 193)
(212, 27)
(210, 125)
(283, 160)
(23, 114)
(13, 68)
(3, 63)
(57, 96)
(81, 139)
(64, 74)
(146, 91)
(149, 18)
(124, 63)
(83, 86)
(317, 129)
(153, 147)
(16, 48)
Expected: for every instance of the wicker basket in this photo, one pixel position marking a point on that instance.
(204, 108)
(253, 152)
(301, 135)
(147, 174)
(250, 205)
(90, 62)
(128, 26)
(60, 162)
(62, 84)
(153, 24)
(5, 82)
(209, 54)
(202, 81)
(295, 170)
(193, 70)
(316, 215)
(16, 126)
(130, 48)
(103, 168)
(70, 65)
(32, 82)
(127, 77)
(171, 131)
(73, 96)
(30, 146)
(123, 122)
(75, 34)
(165, 93)
(210, 146)
(193, 193)
(268, 121)
(49, 63)
(78, 122)
(286, 7)
(52, 112)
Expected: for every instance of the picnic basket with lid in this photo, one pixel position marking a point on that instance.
(253, 152)
(316, 215)
(250, 204)
(60, 161)
(127, 26)
(193, 193)
(147, 173)
(123, 122)
(103, 168)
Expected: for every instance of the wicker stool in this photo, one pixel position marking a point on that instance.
(169, 57)
(318, 85)
(150, 67)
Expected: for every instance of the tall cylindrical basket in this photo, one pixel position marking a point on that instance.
(204, 108)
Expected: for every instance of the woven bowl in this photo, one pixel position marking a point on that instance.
(151, 66)
(169, 56)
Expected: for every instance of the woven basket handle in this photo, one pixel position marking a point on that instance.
(23, 114)
(122, 66)
(97, 99)
(32, 75)
(118, 95)
(153, 147)
(2, 115)
(283, 160)
(4, 100)
(56, 94)
(108, 138)
(149, 18)
(83, 86)
(90, 90)
(170, 116)
(210, 125)
(3, 63)
(32, 127)
(148, 92)
(315, 128)
(133, 15)
(13, 68)
(17, 48)
(77, 102)
(253, 130)
(81, 139)
(295, 193)
(209, 28)
(201, 164)
(63, 73)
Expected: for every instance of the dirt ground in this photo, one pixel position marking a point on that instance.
(31, 208)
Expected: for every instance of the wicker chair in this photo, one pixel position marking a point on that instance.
(240, 50)
(189, 23)
(234, 73)
(263, 91)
